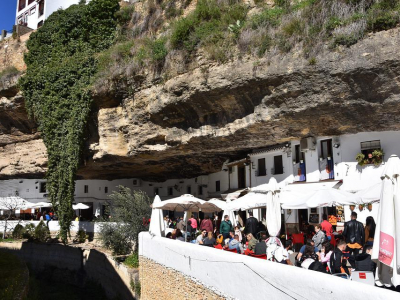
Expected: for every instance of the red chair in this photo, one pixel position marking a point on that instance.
(298, 238)
(218, 246)
(231, 250)
(248, 252)
(261, 256)
(333, 241)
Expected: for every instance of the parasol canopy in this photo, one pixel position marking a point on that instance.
(157, 226)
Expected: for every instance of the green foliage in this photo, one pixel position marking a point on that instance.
(268, 17)
(42, 233)
(18, 231)
(294, 27)
(132, 260)
(345, 40)
(265, 44)
(383, 17)
(60, 65)
(312, 61)
(29, 232)
(81, 236)
(128, 210)
(124, 15)
(171, 11)
(206, 24)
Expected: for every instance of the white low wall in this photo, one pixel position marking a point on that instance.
(89, 227)
(243, 277)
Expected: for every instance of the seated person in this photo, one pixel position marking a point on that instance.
(338, 262)
(326, 252)
(200, 238)
(219, 241)
(252, 242)
(169, 235)
(209, 240)
(308, 257)
(310, 242)
(179, 235)
(235, 244)
(363, 261)
(286, 253)
(261, 247)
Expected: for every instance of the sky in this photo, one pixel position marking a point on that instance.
(7, 14)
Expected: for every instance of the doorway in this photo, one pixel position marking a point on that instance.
(241, 177)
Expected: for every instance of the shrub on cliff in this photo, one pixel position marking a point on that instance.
(60, 65)
(128, 211)
(18, 231)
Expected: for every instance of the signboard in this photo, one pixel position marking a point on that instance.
(314, 218)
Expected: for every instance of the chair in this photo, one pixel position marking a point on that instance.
(261, 256)
(231, 250)
(363, 276)
(298, 238)
(218, 247)
(248, 252)
(341, 275)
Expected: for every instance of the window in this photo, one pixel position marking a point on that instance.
(21, 4)
(41, 8)
(217, 186)
(370, 146)
(32, 11)
(189, 190)
(262, 171)
(230, 170)
(30, 1)
(86, 189)
(278, 165)
(106, 190)
(298, 153)
(156, 191)
(170, 191)
(40, 24)
(42, 187)
(200, 190)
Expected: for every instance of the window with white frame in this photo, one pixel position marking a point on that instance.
(261, 168)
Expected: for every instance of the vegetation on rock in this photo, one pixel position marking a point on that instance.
(60, 65)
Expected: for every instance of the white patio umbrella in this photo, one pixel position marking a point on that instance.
(41, 205)
(386, 252)
(249, 201)
(368, 195)
(183, 203)
(321, 198)
(273, 208)
(157, 226)
(215, 204)
(80, 206)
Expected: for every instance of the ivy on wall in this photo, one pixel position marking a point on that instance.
(60, 65)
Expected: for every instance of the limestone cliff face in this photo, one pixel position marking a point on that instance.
(190, 124)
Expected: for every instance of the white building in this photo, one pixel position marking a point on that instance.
(304, 164)
(32, 13)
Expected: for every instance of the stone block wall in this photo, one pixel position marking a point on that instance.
(114, 277)
(160, 282)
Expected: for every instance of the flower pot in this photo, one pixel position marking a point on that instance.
(320, 159)
(294, 162)
(352, 207)
(329, 158)
(369, 207)
(301, 161)
(361, 207)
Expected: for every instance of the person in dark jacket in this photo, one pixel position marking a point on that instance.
(226, 227)
(338, 262)
(364, 262)
(261, 247)
(251, 225)
(354, 235)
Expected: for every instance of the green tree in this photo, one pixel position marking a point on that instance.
(127, 211)
(60, 65)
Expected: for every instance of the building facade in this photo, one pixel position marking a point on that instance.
(299, 164)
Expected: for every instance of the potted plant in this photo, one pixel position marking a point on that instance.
(329, 158)
(369, 206)
(377, 156)
(301, 161)
(361, 207)
(352, 207)
(321, 158)
(360, 158)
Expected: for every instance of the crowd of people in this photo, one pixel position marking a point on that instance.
(327, 251)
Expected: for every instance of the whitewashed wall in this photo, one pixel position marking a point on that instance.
(225, 272)
(89, 227)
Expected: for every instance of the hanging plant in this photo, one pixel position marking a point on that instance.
(61, 63)
(361, 207)
(369, 206)
(352, 207)
(377, 156)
